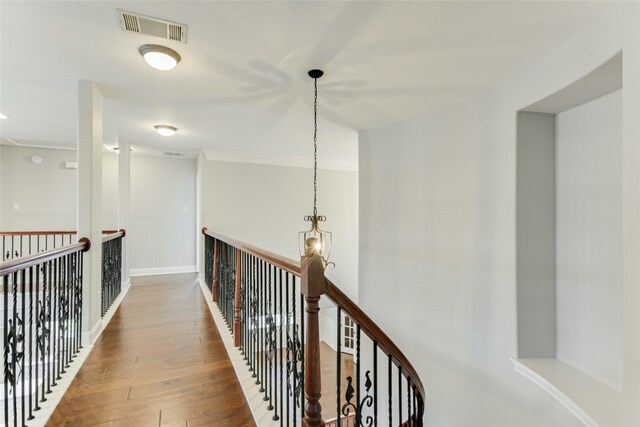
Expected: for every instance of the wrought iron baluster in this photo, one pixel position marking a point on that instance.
(359, 408)
(338, 364)
(399, 395)
(280, 362)
(48, 308)
(390, 383)
(302, 344)
(269, 342)
(263, 324)
(54, 319)
(37, 337)
(22, 341)
(375, 383)
(31, 280)
(5, 325)
(409, 401)
(254, 316)
(288, 317)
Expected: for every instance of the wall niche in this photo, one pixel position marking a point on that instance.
(569, 244)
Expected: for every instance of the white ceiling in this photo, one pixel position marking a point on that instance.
(242, 83)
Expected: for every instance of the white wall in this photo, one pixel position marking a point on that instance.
(264, 205)
(45, 193)
(437, 238)
(110, 191)
(589, 238)
(163, 217)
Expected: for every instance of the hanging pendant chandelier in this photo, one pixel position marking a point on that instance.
(315, 241)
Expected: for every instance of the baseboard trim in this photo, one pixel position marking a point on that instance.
(162, 270)
(47, 408)
(261, 415)
(114, 307)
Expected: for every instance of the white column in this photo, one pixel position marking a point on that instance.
(90, 203)
(124, 200)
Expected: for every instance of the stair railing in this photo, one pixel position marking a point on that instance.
(111, 268)
(42, 325)
(271, 305)
(16, 244)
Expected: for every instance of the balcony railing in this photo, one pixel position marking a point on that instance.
(271, 305)
(42, 308)
(42, 324)
(18, 244)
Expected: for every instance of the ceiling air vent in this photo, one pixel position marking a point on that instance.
(141, 24)
(172, 154)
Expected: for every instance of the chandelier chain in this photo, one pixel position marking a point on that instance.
(315, 145)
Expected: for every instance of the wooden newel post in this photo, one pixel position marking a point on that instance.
(236, 301)
(214, 281)
(312, 281)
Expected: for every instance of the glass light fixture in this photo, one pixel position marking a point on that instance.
(315, 241)
(165, 130)
(159, 57)
(3, 116)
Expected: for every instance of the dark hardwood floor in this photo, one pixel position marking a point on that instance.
(160, 362)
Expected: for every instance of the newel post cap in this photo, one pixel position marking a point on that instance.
(312, 275)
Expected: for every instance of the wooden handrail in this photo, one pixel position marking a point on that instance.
(284, 263)
(9, 267)
(120, 233)
(43, 233)
(374, 332)
(367, 325)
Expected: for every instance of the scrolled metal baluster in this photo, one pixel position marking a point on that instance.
(302, 353)
(338, 364)
(375, 382)
(270, 343)
(21, 342)
(63, 316)
(288, 348)
(5, 324)
(31, 280)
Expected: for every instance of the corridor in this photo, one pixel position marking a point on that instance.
(160, 362)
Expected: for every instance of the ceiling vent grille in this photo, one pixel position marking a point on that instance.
(172, 154)
(135, 23)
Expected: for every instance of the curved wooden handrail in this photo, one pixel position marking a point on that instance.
(120, 233)
(43, 233)
(375, 333)
(370, 328)
(284, 263)
(9, 267)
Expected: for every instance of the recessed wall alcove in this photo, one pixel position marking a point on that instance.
(569, 244)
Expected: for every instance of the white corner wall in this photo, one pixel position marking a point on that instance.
(438, 238)
(589, 238)
(264, 205)
(44, 196)
(163, 216)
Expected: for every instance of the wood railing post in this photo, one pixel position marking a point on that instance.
(236, 301)
(214, 280)
(312, 286)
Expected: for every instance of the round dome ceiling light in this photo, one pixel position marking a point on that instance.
(159, 57)
(165, 130)
(3, 116)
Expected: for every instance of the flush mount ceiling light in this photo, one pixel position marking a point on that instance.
(3, 116)
(165, 130)
(314, 242)
(159, 57)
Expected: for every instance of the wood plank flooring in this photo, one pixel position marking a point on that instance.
(160, 362)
